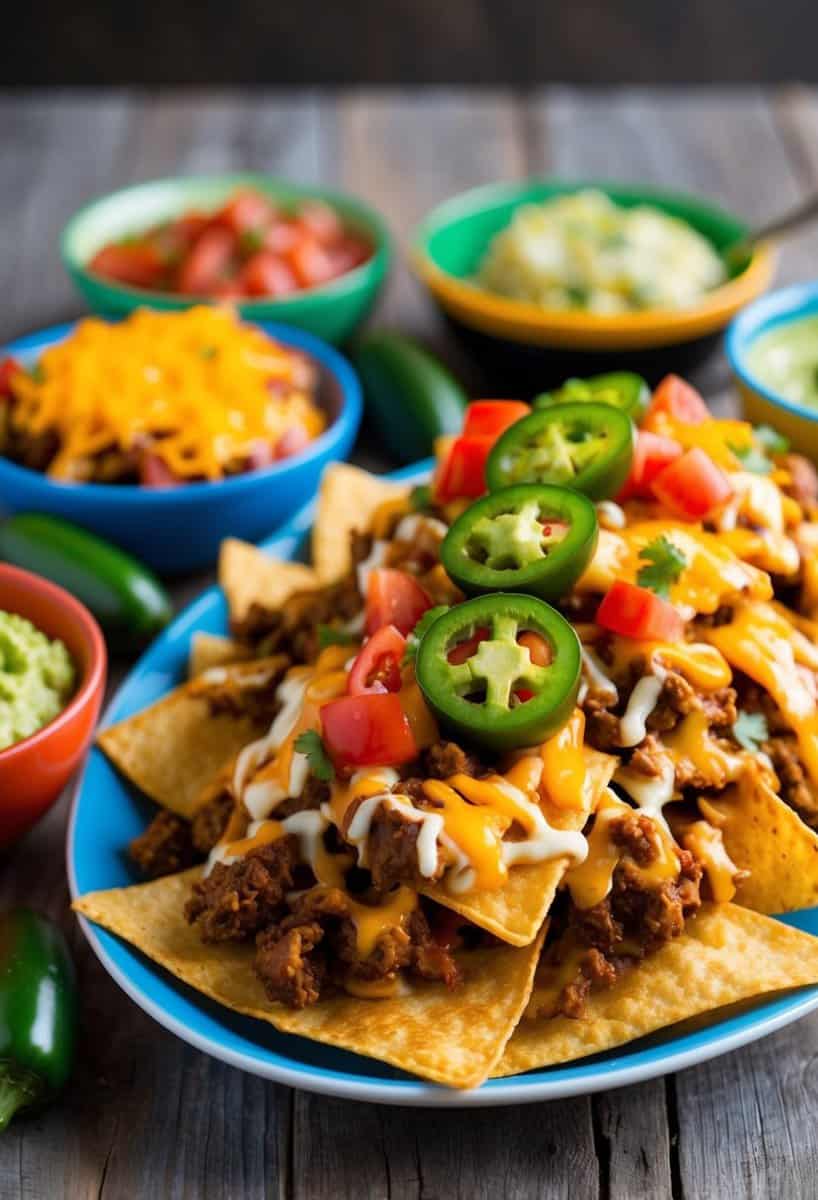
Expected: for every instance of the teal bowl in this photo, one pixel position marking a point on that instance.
(332, 311)
(536, 347)
(762, 405)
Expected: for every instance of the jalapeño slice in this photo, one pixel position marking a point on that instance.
(532, 537)
(621, 389)
(583, 445)
(475, 665)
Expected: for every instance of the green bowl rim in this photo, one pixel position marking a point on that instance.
(375, 224)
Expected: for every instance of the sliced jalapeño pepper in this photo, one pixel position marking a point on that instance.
(476, 667)
(620, 389)
(583, 445)
(532, 537)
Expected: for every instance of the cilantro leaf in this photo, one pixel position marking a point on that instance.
(250, 242)
(331, 635)
(752, 459)
(666, 565)
(420, 498)
(309, 744)
(771, 440)
(750, 730)
(414, 638)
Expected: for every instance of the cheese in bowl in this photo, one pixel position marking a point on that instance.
(584, 251)
(159, 399)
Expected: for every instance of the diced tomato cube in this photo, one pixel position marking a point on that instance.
(692, 486)
(9, 367)
(311, 262)
(678, 400)
(463, 471)
(636, 612)
(246, 212)
(396, 598)
(292, 441)
(490, 418)
(369, 730)
(209, 262)
(136, 264)
(377, 666)
(321, 221)
(265, 274)
(652, 453)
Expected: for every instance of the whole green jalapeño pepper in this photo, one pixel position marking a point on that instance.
(475, 668)
(533, 537)
(37, 1011)
(583, 445)
(620, 389)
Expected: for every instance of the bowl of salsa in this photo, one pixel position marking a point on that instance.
(310, 257)
(772, 347)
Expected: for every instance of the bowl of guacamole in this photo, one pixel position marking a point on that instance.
(772, 347)
(37, 678)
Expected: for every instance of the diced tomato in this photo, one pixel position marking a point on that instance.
(464, 650)
(137, 264)
(394, 598)
(261, 455)
(154, 472)
(292, 441)
(538, 649)
(463, 471)
(189, 226)
(692, 486)
(321, 221)
(246, 212)
(651, 455)
(282, 236)
(311, 262)
(370, 730)
(679, 401)
(377, 666)
(490, 418)
(9, 367)
(636, 612)
(208, 263)
(266, 274)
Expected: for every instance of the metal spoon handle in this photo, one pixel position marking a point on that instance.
(800, 215)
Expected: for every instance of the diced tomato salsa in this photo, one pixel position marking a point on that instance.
(250, 249)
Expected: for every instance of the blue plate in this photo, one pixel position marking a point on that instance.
(180, 529)
(107, 813)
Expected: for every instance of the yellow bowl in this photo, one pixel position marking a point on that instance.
(547, 344)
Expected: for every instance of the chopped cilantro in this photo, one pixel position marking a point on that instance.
(750, 730)
(331, 635)
(752, 459)
(771, 440)
(414, 638)
(309, 743)
(420, 498)
(666, 563)
(250, 242)
(208, 352)
(37, 372)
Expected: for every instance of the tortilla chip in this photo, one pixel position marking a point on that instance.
(767, 838)
(212, 650)
(248, 576)
(347, 500)
(450, 1037)
(515, 913)
(173, 749)
(726, 954)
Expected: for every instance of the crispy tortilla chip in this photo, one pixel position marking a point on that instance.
(347, 500)
(212, 650)
(516, 912)
(248, 576)
(173, 749)
(451, 1037)
(767, 838)
(726, 954)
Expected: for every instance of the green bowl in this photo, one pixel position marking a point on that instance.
(331, 311)
(540, 347)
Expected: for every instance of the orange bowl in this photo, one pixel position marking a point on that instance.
(34, 772)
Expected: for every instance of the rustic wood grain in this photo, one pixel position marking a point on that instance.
(148, 1116)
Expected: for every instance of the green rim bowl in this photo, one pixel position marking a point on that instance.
(540, 347)
(332, 311)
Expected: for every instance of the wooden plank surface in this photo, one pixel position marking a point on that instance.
(149, 1116)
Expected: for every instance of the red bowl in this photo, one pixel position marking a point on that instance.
(34, 772)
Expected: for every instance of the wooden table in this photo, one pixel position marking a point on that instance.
(146, 1115)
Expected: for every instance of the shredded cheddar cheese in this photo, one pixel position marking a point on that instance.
(203, 389)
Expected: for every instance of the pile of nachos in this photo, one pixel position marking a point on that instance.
(516, 770)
